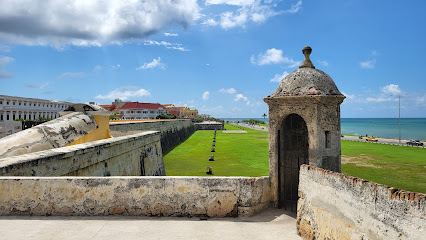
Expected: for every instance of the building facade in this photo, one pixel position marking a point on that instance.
(137, 110)
(14, 108)
(186, 112)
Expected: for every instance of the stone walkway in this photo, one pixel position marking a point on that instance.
(270, 224)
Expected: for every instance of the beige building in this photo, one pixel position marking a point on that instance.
(186, 112)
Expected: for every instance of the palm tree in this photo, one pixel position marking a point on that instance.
(264, 116)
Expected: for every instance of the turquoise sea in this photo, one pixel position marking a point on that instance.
(411, 128)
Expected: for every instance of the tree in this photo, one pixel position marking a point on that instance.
(264, 116)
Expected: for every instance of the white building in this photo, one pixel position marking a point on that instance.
(137, 110)
(13, 108)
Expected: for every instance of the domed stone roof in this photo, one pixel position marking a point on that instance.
(306, 81)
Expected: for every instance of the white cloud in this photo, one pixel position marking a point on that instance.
(97, 68)
(171, 34)
(156, 63)
(72, 75)
(169, 45)
(240, 97)
(210, 22)
(295, 7)
(90, 23)
(206, 95)
(40, 86)
(370, 64)
(392, 89)
(378, 99)
(228, 90)
(230, 2)
(323, 63)
(256, 11)
(125, 93)
(273, 56)
(3, 62)
(117, 66)
(278, 77)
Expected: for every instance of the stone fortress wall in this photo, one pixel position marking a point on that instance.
(336, 206)
(172, 133)
(133, 155)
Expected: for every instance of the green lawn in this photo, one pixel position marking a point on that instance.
(239, 154)
(397, 166)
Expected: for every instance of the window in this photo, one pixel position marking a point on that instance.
(145, 111)
(151, 112)
(19, 103)
(13, 103)
(127, 111)
(327, 139)
(25, 104)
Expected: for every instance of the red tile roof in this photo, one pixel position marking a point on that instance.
(138, 105)
(108, 107)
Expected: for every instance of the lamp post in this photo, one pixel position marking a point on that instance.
(399, 118)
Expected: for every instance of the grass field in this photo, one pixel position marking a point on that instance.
(237, 154)
(397, 166)
(246, 154)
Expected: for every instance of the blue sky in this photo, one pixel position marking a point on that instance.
(220, 56)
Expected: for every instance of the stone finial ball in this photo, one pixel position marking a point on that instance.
(307, 50)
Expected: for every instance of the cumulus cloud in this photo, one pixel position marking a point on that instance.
(156, 63)
(125, 93)
(278, 77)
(171, 34)
(40, 86)
(370, 64)
(273, 56)
(392, 89)
(117, 66)
(90, 23)
(350, 97)
(228, 90)
(72, 75)
(206, 95)
(168, 45)
(3, 62)
(240, 97)
(256, 11)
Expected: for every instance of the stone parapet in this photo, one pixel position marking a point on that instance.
(146, 196)
(336, 206)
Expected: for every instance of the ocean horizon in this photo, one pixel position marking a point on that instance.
(411, 128)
